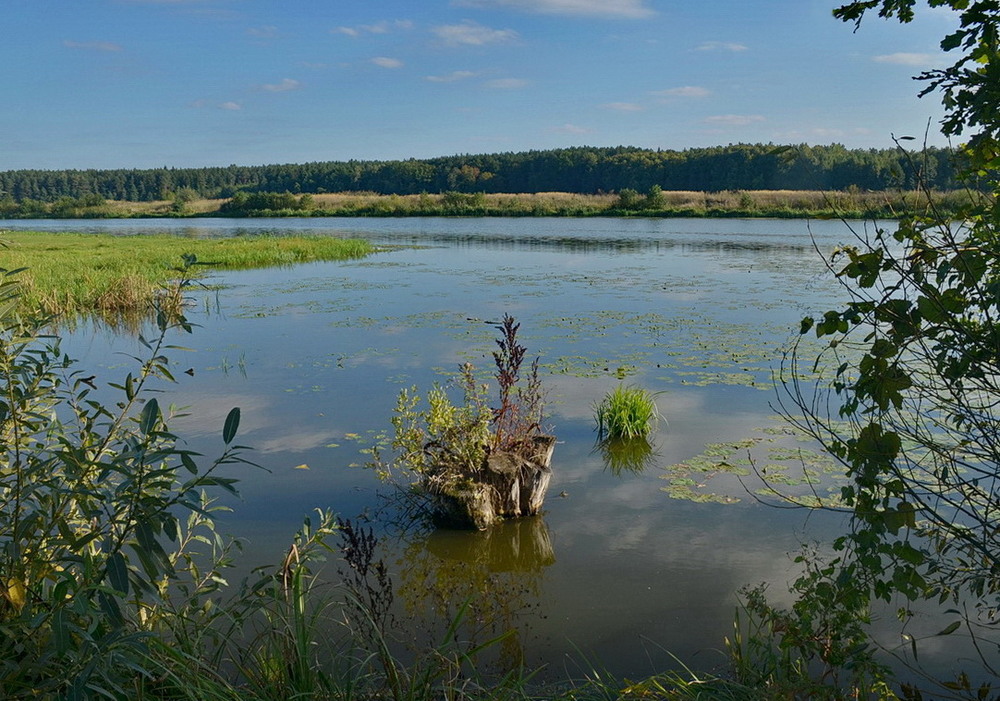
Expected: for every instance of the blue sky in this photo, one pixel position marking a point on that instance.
(148, 83)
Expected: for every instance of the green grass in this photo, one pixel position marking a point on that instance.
(71, 274)
(625, 413)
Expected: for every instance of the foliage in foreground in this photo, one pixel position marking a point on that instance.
(911, 411)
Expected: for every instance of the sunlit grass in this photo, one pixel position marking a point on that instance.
(626, 413)
(84, 273)
(850, 204)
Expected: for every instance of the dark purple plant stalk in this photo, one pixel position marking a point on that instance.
(518, 415)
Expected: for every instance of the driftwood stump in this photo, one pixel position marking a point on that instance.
(507, 485)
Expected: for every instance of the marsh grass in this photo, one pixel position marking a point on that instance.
(851, 203)
(70, 274)
(626, 413)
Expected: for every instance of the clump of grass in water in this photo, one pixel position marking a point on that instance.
(625, 413)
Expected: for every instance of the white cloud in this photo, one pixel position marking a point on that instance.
(106, 46)
(506, 83)
(471, 33)
(721, 46)
(385, 62)
(284, 86)
(626, 9)
(232, 106)
(573, 129)
(450, 77)
(623, 106)
(383, 27)
(685, 91)
(266, 32)
(734, 120)
(905, 59)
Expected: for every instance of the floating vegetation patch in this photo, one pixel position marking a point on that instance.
(692, 350)
(762, 466)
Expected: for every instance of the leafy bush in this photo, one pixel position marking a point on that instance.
(93, 499)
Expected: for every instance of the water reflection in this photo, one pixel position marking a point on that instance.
(629, 455)
(492, 579)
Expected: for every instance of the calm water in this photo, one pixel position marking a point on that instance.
(624, 566)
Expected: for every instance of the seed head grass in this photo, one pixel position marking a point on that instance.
(626, 412)
(72, 274)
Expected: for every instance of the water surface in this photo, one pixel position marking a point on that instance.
(625, 566)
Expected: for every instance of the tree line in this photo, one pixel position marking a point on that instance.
(576, 170)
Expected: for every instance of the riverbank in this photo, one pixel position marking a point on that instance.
(849, 204)
(69, 274)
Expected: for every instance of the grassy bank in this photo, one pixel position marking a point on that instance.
(852, 204)
(80, 273)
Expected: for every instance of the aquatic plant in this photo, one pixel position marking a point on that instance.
(470, 464)
(69, 274)
(626, 412)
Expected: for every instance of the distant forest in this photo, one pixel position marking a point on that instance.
(584, 170)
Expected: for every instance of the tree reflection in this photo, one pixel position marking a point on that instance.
(494, 575)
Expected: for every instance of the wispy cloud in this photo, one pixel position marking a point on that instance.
(232, 106)
(386, 62)
(106, 46)
(506, 83)
(167, 2)
(383, 27)
(284, 86)
(722, 46)
(906, 59)
(452, 77)
(625, 9)
(265, 32)
(623, 106)
(572, 129)
(733, 120)
(471, 33)
(685, 91)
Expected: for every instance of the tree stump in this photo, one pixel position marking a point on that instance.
(509, 484)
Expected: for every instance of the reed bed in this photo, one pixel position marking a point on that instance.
(850, 204)
(70, 274)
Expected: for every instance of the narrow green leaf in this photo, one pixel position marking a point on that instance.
(950, 628)
(118, 572)
(60, 631)
(189, 463)
(149, 416)
(232, 425)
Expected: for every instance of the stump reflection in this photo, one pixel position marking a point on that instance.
(496, 573)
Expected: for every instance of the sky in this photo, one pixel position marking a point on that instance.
(191, 83)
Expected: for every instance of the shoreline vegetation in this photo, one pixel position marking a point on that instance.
(852, 203)
(70, 274)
